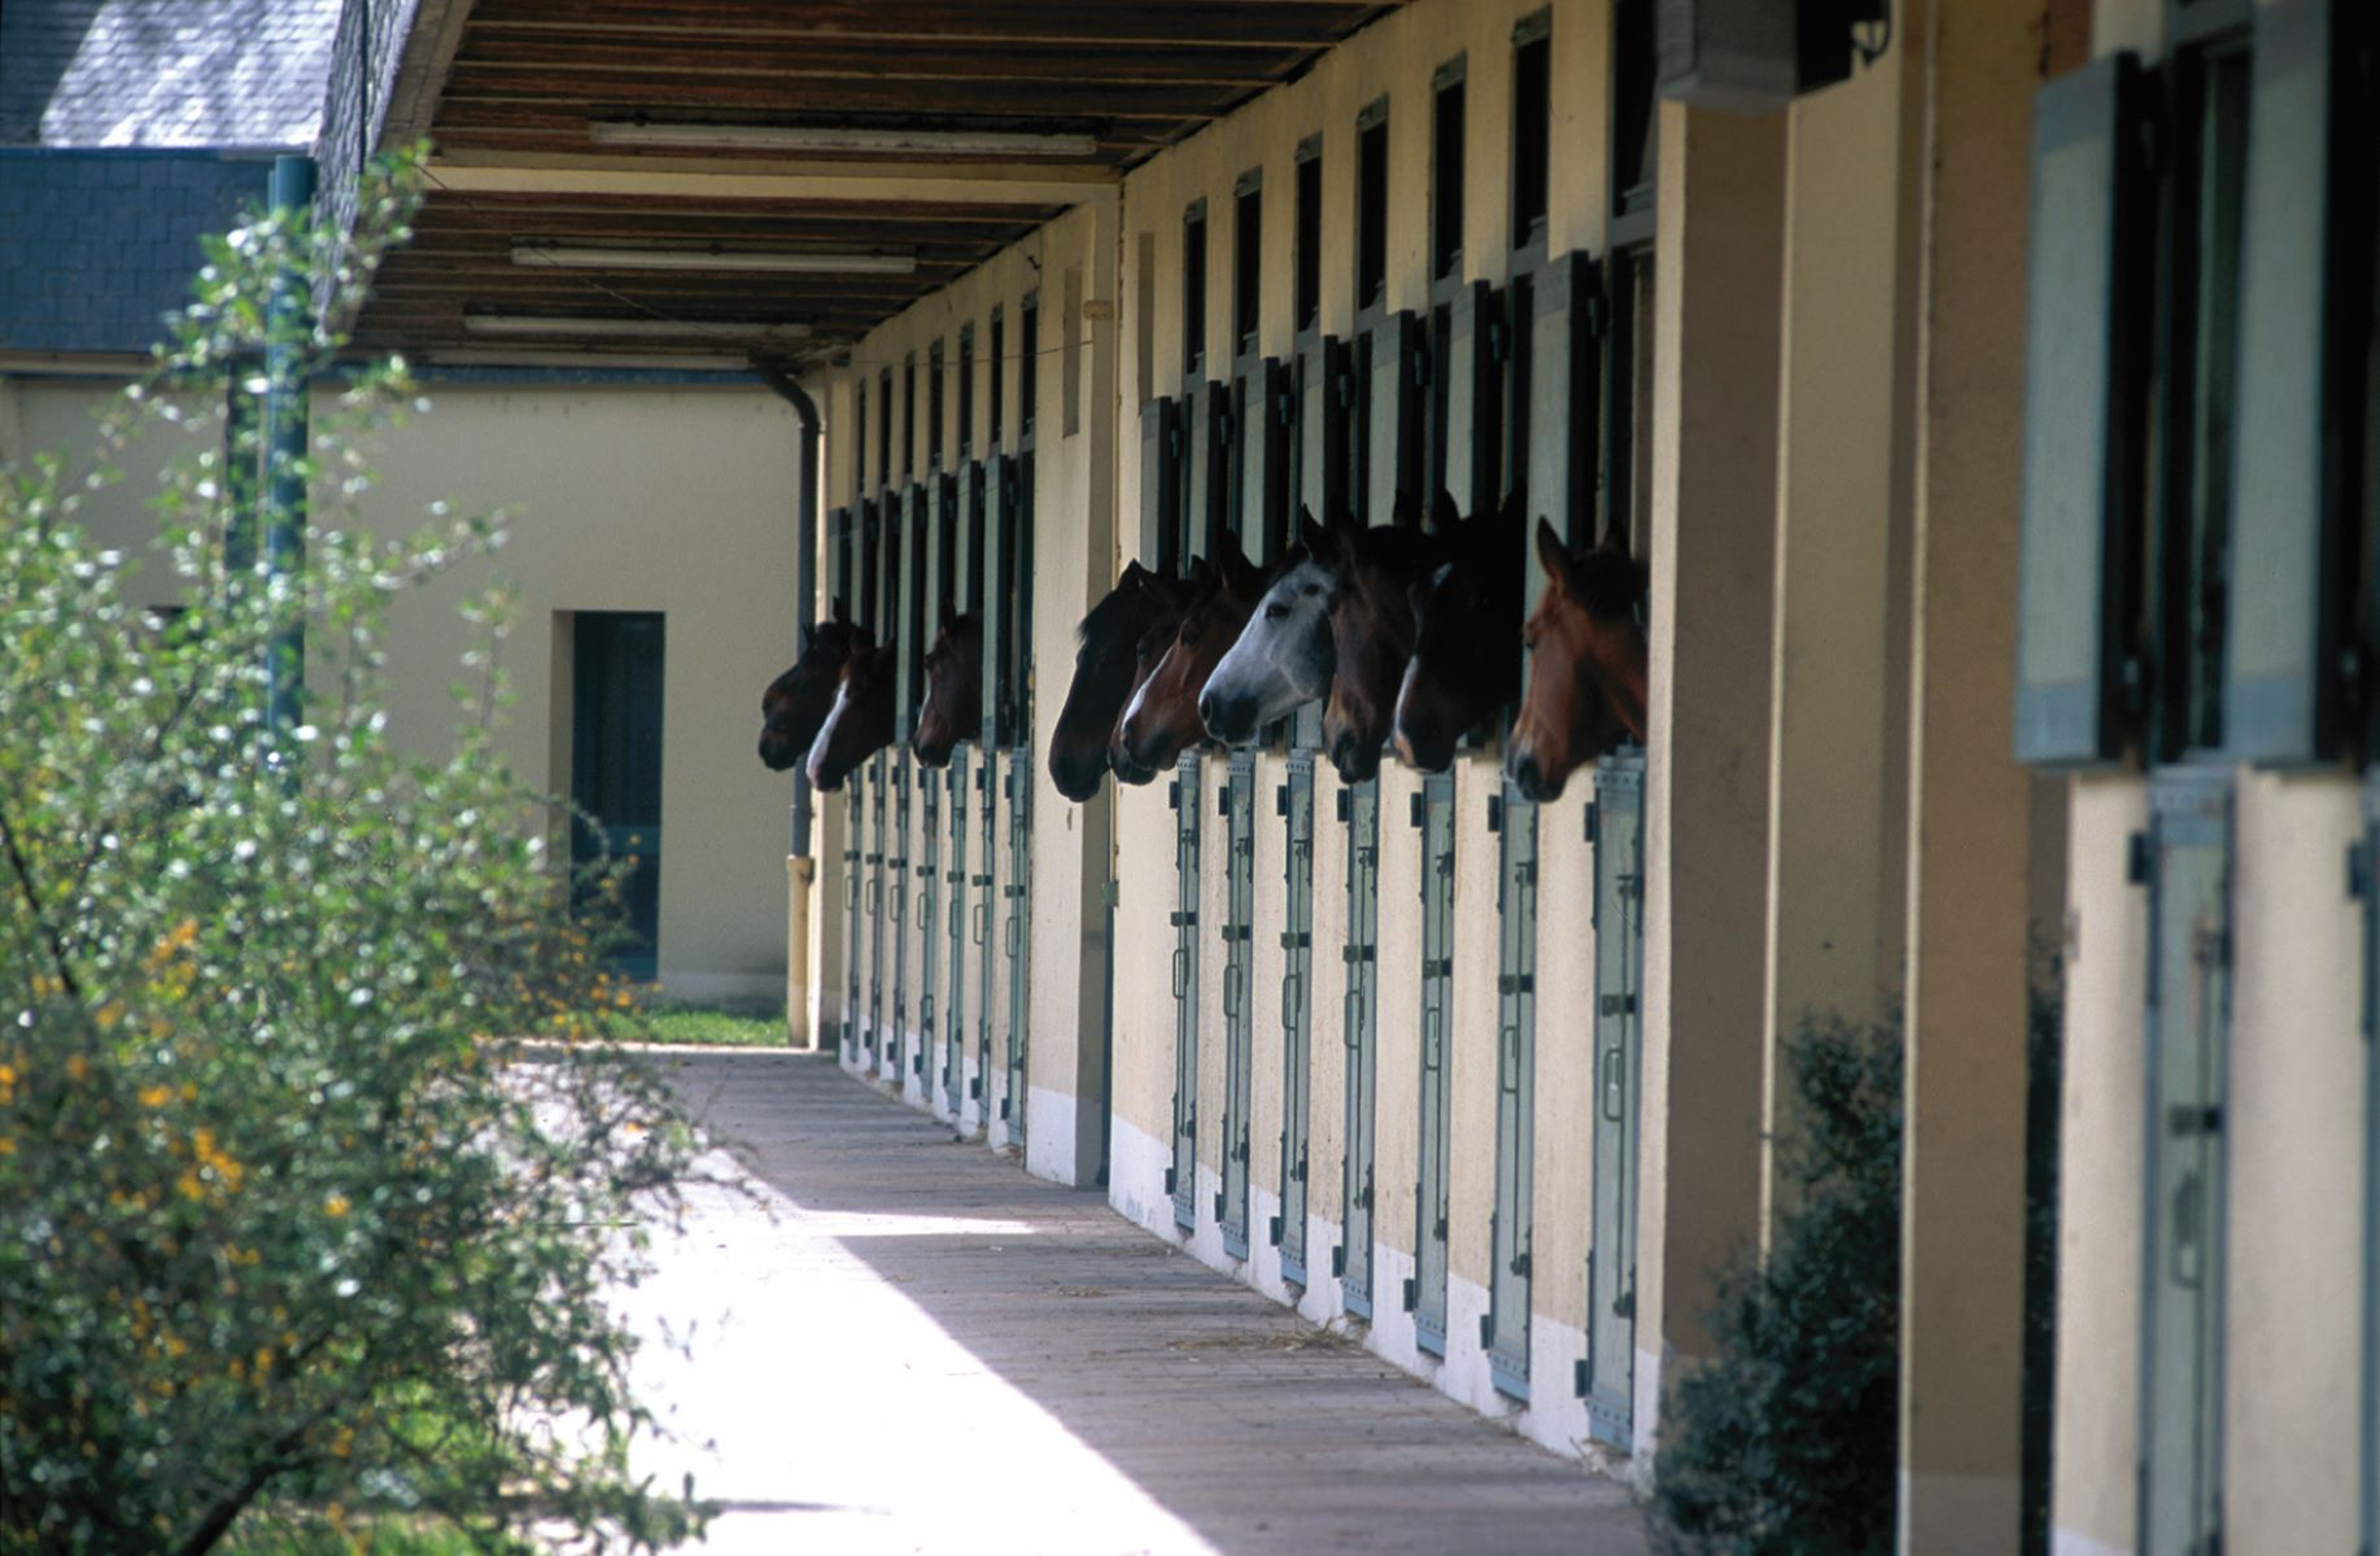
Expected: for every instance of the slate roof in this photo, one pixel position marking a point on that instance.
(192, 74)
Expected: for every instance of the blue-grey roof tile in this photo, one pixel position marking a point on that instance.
(165, 73)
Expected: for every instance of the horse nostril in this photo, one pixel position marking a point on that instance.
(1207, 710)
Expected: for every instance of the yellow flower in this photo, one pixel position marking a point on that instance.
(336, 1206)
(77, 1067)
(111, 1013)
(188, 1184)
(156, 1096)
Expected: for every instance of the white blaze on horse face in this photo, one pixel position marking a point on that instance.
(1283, 658)
(825, 736)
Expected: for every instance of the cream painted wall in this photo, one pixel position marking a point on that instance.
(2099, 1176)
(676, 499)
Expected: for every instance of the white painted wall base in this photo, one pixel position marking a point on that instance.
(2066, 1542)
(1050, 1134)
(1554, 1418)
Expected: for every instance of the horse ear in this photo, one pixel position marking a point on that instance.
(1554, 554)
(1318, 542)
(842, 612)
(1443, 515)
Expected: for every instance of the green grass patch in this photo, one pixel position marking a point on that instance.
(263, 1535)
(696, 1025)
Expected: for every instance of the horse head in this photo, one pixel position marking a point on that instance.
(1466, 660)
(1106, 657)
(860, 724)
(1585, 642)
(1372, 630)
(797, 702)
(953, 710)
(1283, 658)
(1162, 719)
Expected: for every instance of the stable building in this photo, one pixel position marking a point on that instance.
(1991, 392)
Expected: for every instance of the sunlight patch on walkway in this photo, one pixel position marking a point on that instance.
(827, 1411)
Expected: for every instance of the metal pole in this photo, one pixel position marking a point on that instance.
(286, 430)
(804, 553)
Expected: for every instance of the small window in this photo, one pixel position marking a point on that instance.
(1144, 315)
(1445, 173)
(1635, 107)
(999, 374)
(1070, 354)
(1247, 261)
(859, 437)
(1028, 363)
(1309, 234)
(1193, 289)
(967, 392)
(884, 431)
(1372, 206)
(909, 417)
(934, 405)
(1532, 129)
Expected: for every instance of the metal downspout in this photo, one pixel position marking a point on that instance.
(286, 438)
(801, 869)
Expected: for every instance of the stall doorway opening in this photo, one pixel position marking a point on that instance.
(616, 765)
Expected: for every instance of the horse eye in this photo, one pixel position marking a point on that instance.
(1313, 589)
(1276, 610)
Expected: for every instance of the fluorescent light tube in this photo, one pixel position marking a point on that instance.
(665, 328)
(832, 137)
(583, 256)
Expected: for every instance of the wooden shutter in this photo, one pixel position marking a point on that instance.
(2286, 501)
(2082, 413)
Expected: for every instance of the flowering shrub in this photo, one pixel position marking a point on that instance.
(280, 1224)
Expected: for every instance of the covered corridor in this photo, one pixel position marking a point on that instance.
(900, 1344)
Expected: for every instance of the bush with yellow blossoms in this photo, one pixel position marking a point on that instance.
(285, 1221)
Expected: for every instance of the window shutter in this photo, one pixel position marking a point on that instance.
(2285, 496)
(2081, 414)
(1156, 481)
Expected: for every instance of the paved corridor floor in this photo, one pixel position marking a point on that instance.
(904, 1343)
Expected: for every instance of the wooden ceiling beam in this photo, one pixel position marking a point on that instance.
(702, 180)
(1213, 23)
(875, 59)
(625, 93)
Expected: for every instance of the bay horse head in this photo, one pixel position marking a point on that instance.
(860, 724)
(1106, 657)
(1466, 658)
(1173, 598)
(797, 702)
(953, 710)
(1283, 658)
(1162, 719)
(1585, 642)
(1376, 569)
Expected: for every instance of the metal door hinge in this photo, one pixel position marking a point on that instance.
(1223, 801)
(1593, 824)
(1487, 1330)
(1272, 1231)
(2138, 859)
(1495, 812)
(2358, 871)
(1338, 1260)
(1173, 794)
(1346, 801)
(1280, 799)
(1414, 801)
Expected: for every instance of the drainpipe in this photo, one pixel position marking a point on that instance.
(285, 423)
(801, 870)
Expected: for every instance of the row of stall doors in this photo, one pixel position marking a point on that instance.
(1604, 1376)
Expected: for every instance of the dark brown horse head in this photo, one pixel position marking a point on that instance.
(1585, 642)
(861, 722)
(1466, 660)
(1170, 598)
(797, 702)
(953, 710)
(1106, 657)
(1162, 721)
(1372, 628)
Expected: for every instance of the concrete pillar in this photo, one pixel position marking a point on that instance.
(1969, 804)
(1838, 742)
(1715, 427)
(1075, 561)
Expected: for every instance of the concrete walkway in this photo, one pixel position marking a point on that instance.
(906, 1344)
